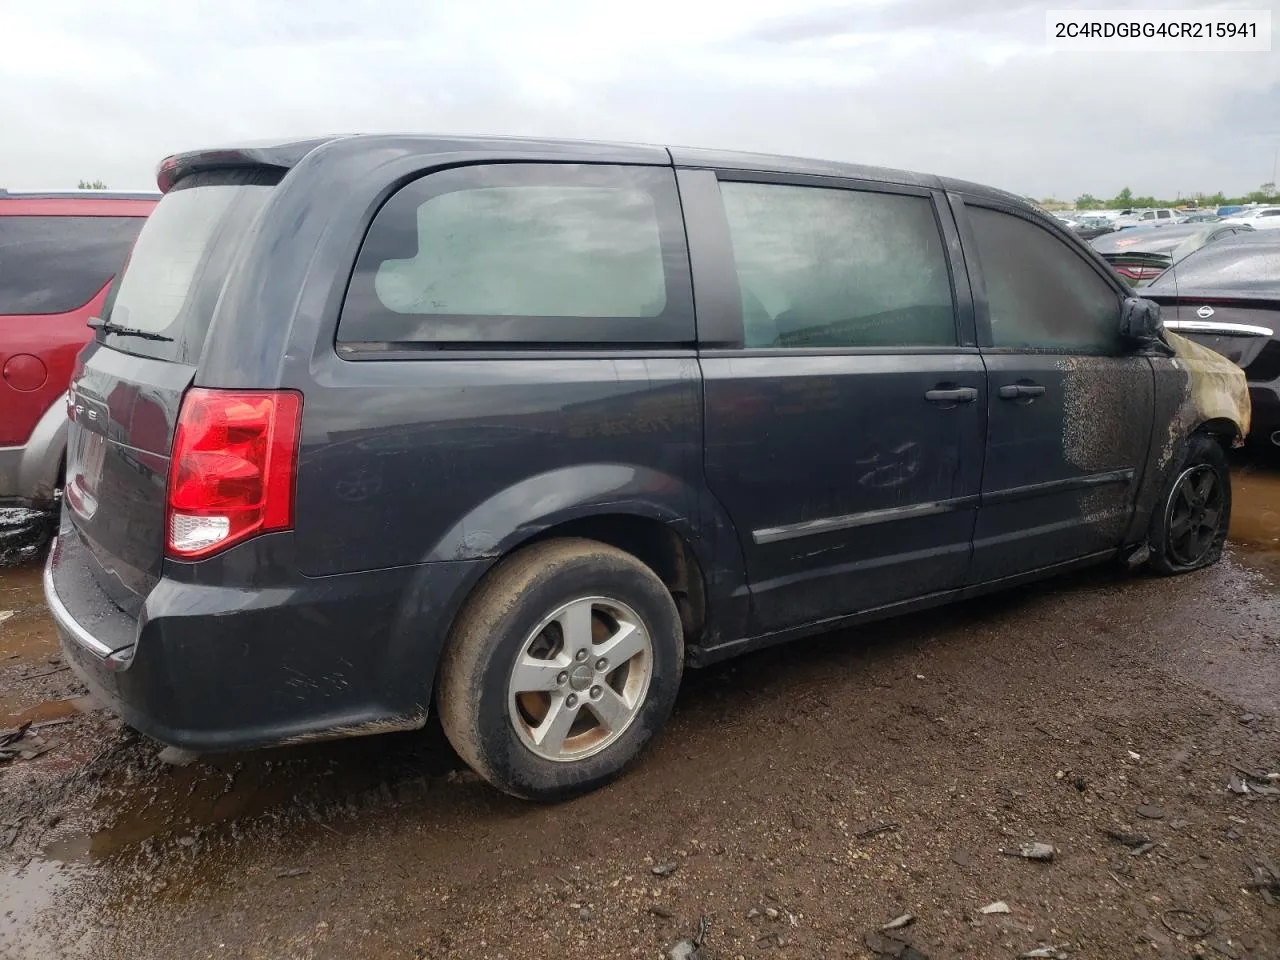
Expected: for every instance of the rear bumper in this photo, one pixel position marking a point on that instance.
(213, 667)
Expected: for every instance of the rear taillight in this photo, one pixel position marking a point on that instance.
(1140, 273)
(235, 455)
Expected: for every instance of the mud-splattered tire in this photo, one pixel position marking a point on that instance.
(562, 666)
(1189, 525)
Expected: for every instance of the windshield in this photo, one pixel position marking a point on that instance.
(181, 260)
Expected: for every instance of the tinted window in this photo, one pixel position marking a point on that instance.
(838, 268)
(525, 253)
(180, 261)
(1040, 291)
(56, 264)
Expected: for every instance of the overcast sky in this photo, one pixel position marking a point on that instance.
(106, 88)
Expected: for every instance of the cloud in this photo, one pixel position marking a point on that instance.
(883, 16)
(106, 90)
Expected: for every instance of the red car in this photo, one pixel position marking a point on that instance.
(59, 253)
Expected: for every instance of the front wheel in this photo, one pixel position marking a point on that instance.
(1189, 529)
(561, 667)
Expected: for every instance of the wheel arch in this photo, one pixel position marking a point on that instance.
(662, 547)
(1226, 431)
(682, 532)
(44, 456)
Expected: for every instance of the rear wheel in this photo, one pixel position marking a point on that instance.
(1190, 529)
(562, 666)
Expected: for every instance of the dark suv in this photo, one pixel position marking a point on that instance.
(514, 430)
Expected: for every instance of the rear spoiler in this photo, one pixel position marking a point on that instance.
(1138, 258)
(280, 156)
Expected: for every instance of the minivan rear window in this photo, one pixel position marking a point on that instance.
(181, 260)
(51, 265)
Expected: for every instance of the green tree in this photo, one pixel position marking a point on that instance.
(1124, 198)
(92, 185)
(1087, 201)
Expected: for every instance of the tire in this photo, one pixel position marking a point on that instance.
(535, 609)
(1189, 525)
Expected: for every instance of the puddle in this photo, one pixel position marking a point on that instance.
(26, 634)
(218, 795)
(30, 895)
(1255, 505)
(1255, 513)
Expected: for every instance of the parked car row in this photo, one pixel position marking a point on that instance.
(1260, 217)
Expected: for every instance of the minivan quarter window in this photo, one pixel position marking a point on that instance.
(822, 267)
(531, 254)
(1042, 293)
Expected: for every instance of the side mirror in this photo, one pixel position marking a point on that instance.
(1140, 320)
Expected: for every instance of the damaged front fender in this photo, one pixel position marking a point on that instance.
(1196, 389)
(1217, 391)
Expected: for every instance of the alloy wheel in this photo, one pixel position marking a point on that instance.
(1194, 514)
(580, 679)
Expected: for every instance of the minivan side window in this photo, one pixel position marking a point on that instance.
(532, 254)
(1041, 293)
(826, 267)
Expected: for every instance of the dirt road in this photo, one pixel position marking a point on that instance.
(802, 798)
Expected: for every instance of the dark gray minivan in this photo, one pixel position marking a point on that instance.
(514, 430)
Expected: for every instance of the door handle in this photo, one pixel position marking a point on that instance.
(1021, 391)
(952, 395)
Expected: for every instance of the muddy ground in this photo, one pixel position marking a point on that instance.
(801, 798)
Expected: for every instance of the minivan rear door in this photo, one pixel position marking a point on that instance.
(125, 398)
(845, 400)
